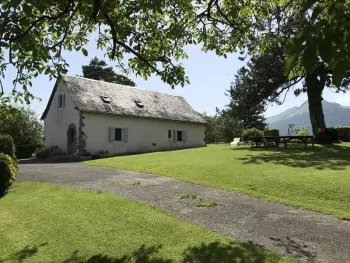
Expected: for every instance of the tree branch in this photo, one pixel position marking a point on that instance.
(42, 18)
(131, 50)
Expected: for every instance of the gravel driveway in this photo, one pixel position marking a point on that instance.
(305, 235)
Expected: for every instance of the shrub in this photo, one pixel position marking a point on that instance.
(302, 132)
(26, 151)
(333, 133)
(85, 154)
(42, 153)
(272, 132)
(57, 152)
(253, 132)
(343, 133)
(6, 145)
(48, 152)
(8, 172)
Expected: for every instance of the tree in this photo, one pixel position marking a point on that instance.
(153, 34)
(245, 101)
(212, 131)
(98, 70)
(221, 127)
(267, 73)
(23, 126)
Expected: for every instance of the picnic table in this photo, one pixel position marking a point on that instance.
(270, 141)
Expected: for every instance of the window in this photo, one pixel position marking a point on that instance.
(60, 101)
(179, 136)
(139, 103)
(169, 134)
(105, 99)
(118, 134)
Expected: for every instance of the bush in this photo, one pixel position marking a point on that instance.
(343, 133)
(26, 151)
(48, 152)
(8, 172)
(302, 132)
(272, 132)
(85, 154)
(253, 132)
(333, 133)
(6, 145)
(42, 153)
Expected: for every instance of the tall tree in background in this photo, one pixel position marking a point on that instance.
(246, 104)
(99, 70)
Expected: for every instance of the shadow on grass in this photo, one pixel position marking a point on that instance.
(335, 157)
(24, 253)
(208, 253)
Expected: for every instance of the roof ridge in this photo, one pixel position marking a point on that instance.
(66, 75)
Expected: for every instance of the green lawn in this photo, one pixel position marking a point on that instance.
(48, 223)
(313, 178)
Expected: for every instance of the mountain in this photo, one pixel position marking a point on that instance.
(334, 113)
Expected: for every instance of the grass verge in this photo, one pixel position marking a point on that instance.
(48, 223)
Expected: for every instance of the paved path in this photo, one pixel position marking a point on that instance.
(305, 235)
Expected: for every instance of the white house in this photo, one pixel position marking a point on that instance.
(88, 115)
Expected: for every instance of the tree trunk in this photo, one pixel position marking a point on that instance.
(315, 88)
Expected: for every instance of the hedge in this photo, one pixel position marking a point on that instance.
(302, 132)
(272, 132)
(343, 133)
(253, 132)
(8, 172)
(26, 151)
(6, 145)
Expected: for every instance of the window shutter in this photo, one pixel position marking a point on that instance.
(184, 136)
(111, 134)
(125, 134)
(63, 100)
(174, 136)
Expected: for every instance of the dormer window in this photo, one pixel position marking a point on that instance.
(139, 103)
(105, 99)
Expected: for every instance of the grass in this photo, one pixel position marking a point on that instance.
(49, 223)
(138, 183)
(206, 204)
(313, 178)
(115, 182)
(201, 201)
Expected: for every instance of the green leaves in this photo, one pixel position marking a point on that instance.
(309, 57)
(289, 63)
(325, 48)
(85, 52)
(339, 71)
(4, 44)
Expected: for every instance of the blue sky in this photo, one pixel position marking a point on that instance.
(209, 74)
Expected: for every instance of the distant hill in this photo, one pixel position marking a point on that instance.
(335, 115)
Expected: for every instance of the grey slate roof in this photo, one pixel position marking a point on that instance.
(86, 94)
